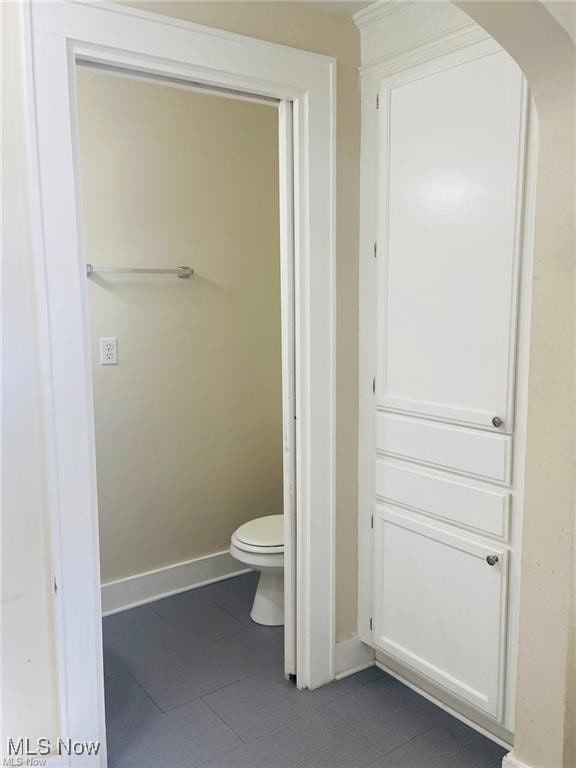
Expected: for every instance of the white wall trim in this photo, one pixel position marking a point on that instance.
(111, 34)
(412, 681)
(408, 56)
(215, 32)
(397, 35)
(509, 761)
(352, 655)
(379, 10)
(121, 594)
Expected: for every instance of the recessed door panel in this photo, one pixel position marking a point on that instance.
(447, 271)
(439, 606)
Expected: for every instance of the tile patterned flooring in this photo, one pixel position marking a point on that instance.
(192, 681)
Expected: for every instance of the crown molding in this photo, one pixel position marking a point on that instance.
(380, 9)
(446, 42)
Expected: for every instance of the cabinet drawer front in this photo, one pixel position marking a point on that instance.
(457, 449)
(459, 501)
(440, 607)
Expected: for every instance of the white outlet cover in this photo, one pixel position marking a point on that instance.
(109, 351)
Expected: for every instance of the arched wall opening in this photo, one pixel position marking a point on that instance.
(545, 693)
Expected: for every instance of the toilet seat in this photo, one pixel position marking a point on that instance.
(256, 549)
(264, 535)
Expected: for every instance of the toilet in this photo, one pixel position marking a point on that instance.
(259, 544)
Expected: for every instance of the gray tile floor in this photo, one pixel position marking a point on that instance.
(192, 681)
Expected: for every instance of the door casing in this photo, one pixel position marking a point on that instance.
(56, 35)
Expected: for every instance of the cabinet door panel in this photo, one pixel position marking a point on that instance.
(447, 271)
(440, 607)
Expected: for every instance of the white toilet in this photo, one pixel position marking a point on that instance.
(260, 545)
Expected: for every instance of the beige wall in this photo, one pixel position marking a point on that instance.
(548, 58)
(301, 26)
(189, 423)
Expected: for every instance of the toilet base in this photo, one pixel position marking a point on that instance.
(268, 606)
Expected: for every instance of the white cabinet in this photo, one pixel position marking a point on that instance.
(440, 333)
(439, 605)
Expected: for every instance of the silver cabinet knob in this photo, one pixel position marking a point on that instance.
(497, 421)
(492, 559)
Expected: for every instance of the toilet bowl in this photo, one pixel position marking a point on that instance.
(259, 544)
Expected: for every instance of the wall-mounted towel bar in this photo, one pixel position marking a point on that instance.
(183, 272)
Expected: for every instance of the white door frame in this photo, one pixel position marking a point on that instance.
(56, 34)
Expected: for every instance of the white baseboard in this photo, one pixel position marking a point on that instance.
(145, 587)
(509, 761)
(415, 682)
(352, 656)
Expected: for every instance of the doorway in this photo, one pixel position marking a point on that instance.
(147, 44)
(189, 381)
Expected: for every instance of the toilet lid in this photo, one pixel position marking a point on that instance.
(262, 532)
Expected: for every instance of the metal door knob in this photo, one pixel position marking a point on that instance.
(497, 421)
(492, 559)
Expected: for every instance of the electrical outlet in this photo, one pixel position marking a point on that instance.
(108, 352)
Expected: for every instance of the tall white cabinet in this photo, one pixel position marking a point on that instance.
(445, 274)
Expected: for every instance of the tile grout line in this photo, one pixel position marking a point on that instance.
(244, 626)
(201, 639)
(222, 754)
(371, 741)
(385, 753)
(208, 693)
(315, 707)
(303, 718)
(235, 682)
(222, 720)
(362, 735)
(170, 624)
(419, 735)
(145, 692)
